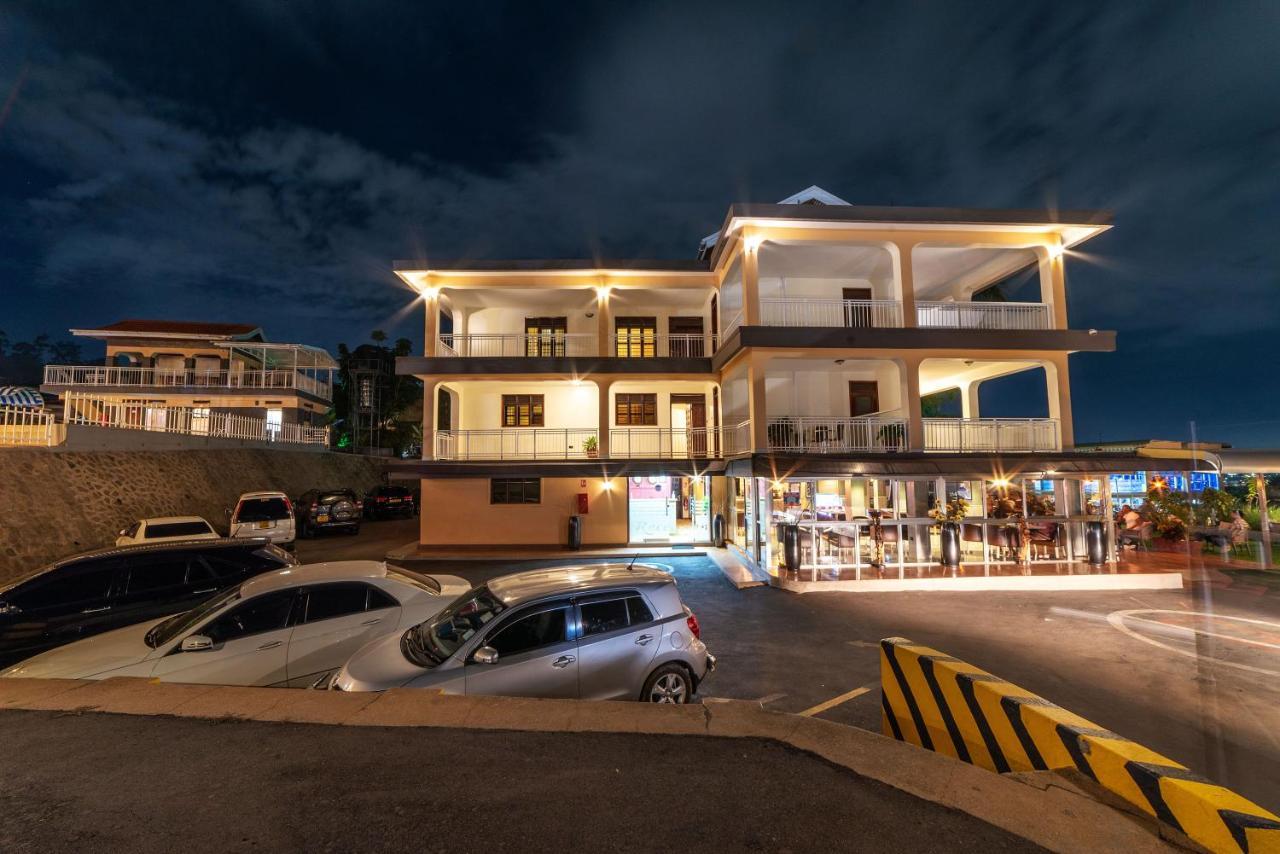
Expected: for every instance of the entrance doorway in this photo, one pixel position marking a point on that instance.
(663, 509)
(864, 397)
(689, 425)
(854, 314)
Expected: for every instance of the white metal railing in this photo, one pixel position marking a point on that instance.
(984, 315)
(731, 326)
(991, 434)
(107, 375)
(519, 443)
(22, 426)
(676, 345)
(94, 411)
(665, 443)
(835, 435)
(517, 345)
(794, 311)
(737, 439)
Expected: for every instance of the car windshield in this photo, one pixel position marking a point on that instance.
(262, 510)
(431, 643)
(178, 624)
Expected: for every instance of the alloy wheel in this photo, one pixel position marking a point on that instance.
(669, 688)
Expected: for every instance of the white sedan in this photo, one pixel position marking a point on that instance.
(166, 529)
(292, 627)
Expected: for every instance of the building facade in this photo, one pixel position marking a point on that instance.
(779, 377)
(159, 372)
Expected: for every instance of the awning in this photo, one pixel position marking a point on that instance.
(22, 396)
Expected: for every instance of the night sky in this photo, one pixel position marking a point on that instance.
(267, 161)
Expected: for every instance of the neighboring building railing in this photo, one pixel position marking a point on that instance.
(104, 375)
(517, 345)
(991, 434)
(795, 311)
(21, 426)
(644, 345)
(835, 435)
(95, 411)
(536, 443)
(984, 315)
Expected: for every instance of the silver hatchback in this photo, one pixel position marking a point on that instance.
(598, 632)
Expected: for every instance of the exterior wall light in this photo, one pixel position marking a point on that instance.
(1055, 251)
(429, 293)
(602, 292)
(753, 243)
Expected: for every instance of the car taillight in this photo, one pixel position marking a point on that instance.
(359, 505)
(694, 628)
(380, 499)
(288, 505)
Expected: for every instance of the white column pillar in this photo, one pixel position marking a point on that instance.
(1053, 289)
(1058, 388)
(750, 280)
(757, 404)
(604, 322)
(430, 388)
(431, 323)
(905, 275)
(604, 415)
(969, 399)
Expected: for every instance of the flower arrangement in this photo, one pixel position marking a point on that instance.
(954, 510)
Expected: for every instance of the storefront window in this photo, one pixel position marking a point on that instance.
(669, 509)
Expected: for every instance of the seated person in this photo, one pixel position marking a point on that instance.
(1131, 519)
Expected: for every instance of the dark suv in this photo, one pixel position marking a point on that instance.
(97, 591)
(388, 501)
(322, 509)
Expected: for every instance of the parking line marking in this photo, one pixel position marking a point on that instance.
(769, 698)
(835, 701)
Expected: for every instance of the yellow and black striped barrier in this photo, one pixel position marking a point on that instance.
(939, 703)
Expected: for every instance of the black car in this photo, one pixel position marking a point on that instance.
(106, 589)
(388, 501)
(321, 509)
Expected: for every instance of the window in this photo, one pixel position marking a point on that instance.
(200, 420)
(177, 529)
(66, 589)
(275, 420)
(379, 599)
(522, 410)
(508, 490)
(637, 337)
(234, 563)
(638, 611)
(262, 510)
(152, 573)
(601, 617)
(266, 613)
(530, 632)
(545, 336)
(636, 410)
(336, 600)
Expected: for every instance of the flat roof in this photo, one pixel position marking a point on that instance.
(201, 328)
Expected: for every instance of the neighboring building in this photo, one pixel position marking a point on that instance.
(776, 377)
(205, 371)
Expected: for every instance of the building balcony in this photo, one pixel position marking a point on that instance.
(824, 435)
(882, 314)
(642, 345)
(992, 435)
(101, 377)
(625, 443)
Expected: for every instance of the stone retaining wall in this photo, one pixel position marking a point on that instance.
(54, 503)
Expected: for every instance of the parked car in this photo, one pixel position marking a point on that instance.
(166, 528)
(264, 514)
(599, 632)
(97, 591)
(284, 628)
(389, 501)
(322, 509)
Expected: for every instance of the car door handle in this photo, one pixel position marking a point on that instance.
(96, 610)
(206, 590)
(564, 661)
(373, 622)
(644, 639)
(271, 645)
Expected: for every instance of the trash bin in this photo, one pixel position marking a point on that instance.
(717, 530)
(575, 532)
(1095, 543)
(791, 546)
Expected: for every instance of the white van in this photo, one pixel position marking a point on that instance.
(267, 515)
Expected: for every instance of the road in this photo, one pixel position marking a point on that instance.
(1194, 674)
(171, 784)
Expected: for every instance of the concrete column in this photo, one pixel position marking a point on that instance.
(969, 399)
(757, 404)
(461, 316)
(750, 281)
(909, 380)
(430, 388)
(604, 415)
(1264, 520)
(431, 325)
(906, 282)
(1058, 382)
(604, 323)
(1053, 287)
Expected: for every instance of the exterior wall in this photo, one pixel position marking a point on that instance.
(457, 512)
(510, 321)
(294, 410)
(823, 288)
(664, 390)
(827, 392)
(566, 406)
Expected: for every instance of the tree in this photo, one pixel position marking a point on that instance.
(378, 336)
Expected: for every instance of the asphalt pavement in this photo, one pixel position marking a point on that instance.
(1193, 674)
(121, 783)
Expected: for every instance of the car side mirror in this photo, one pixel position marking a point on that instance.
(226, 511)
(122, 532)
(485, 655)
(197, 643)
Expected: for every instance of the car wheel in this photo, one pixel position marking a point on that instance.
(670, 683)
(354, 530)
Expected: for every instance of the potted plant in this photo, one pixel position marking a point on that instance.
(592, 447)
(948, 517)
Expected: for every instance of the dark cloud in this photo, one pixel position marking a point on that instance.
(268, 161)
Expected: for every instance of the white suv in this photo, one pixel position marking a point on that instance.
(266, 515)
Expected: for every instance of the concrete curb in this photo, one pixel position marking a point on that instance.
(1044, 808)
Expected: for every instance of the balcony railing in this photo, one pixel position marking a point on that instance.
(794, 311)
(102, 375)
(665, 443)
(984, 315)
(21, 426)
(93, 411)
(965, 435)
(537, 443)
(676, 345)
(823, 435)
(517, 345)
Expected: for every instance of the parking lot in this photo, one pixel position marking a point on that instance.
(1194, 674)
